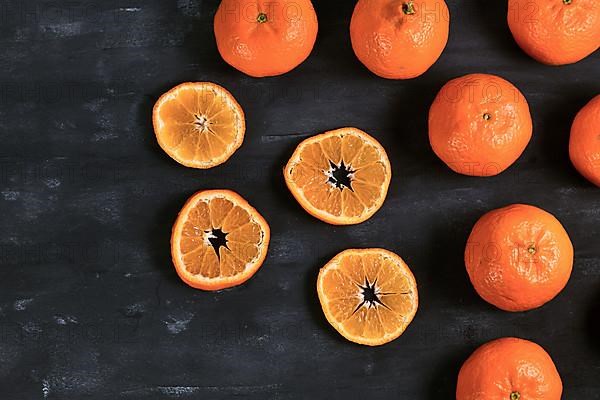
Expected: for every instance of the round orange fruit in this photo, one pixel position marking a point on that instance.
(399, 39)
(340, 177)
(584, 146)
(509, 369)
(368, 295)
(218, 240)
(556, 32)
(265, 38)
(199, 124)
(479, 124)
(518, 257)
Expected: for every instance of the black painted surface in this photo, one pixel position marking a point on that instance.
(90, 305)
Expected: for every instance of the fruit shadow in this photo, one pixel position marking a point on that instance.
(406, 119)
(158, 236)
(446, 276)
(334, 39)
(557, 119)
(593, 322)
(494, 23)
(200, 47)
(444, 376)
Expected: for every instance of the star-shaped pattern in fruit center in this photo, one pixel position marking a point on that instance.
(340, 176)
(371, 295)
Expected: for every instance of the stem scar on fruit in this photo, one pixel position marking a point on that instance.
(262, 18)
(408, 8)
(567, 2)
(487, 116)
(516, 395)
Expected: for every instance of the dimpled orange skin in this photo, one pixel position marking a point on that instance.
(265, 38)
(479, 124)
(399, 39)
(518, 257)
(584, 145)
(509, 369)
(556, 32)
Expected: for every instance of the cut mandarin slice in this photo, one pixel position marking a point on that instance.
(368, 295)
(218, 240)
(340, 177)
(199, 124)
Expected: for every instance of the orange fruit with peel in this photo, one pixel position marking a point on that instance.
(399, 39)
(265, 38)
(584, 145)
(199, 124)
(218, 240)
(556, 32)
(340, 177)
(509, 369)
(368, 295)
(519, 257)
(479, 124)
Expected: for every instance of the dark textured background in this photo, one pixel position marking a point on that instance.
(90, 305)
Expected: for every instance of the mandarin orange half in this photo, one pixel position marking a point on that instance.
(199, 124)
(368, 295)
(341, 177)
(218, 240)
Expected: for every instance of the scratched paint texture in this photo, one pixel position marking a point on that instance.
(90, 306)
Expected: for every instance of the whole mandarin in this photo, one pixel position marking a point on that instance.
(556, 32)
(399, 39)
(519, 257)
(265, 38)
(479, 124)
(584, 145)
(509, 369)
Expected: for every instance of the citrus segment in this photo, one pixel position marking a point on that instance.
(199, 125)
(369, 296)
(218, 240)
(341, 177)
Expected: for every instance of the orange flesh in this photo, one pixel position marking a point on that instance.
(340, 176)
(200, 125)
(369, 296)
(208, 217)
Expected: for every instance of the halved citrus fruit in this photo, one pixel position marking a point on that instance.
(218, 240)
(340, 177)
(199, 124)
(368, 295)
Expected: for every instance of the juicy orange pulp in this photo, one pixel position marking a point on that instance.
(218, 240)
(340, 177)
(369, 296)
(200, 125)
